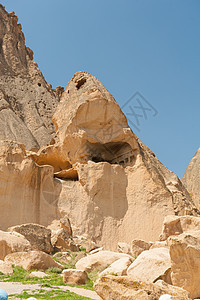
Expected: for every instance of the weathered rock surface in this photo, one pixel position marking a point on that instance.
(28, 192)
(138, 246)
(37, 274)
(71, 276)
(127, 288)
(62, 241)
(151, 265)
(185, 261)
(99, 260)
(6, 268)
(110, 176)
(124, 248)
(175, 225)
(191, 178)
(38, 236)
(119, 267)
(33, 260)
(12, 242)
(27, 101)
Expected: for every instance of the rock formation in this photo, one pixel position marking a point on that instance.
(95, 171)
(110, 180)
(27, 101)
(191, 178)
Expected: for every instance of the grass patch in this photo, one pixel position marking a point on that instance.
(55, 294)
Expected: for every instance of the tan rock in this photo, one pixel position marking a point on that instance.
(33, 260)
(138, 246)
(28, 192)
(12, 242)
(95, 250)
(6, 268)
(124, 248)
(99, 261)
(85, 243)
(127, 288)
(71, 276)
(63, 256)
(159, 244)
(185, 263)
(37, 274)
(62, 241)
(151, 265)
(27, 101)
(119, 267)
(38, 236)
(175, 225)
(66, 225)
(191, 178)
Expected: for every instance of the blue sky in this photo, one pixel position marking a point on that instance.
(149, 46)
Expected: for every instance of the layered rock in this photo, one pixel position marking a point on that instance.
(27, 101)
(191, 178)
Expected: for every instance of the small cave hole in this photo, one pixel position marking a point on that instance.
(39, 84)
(1, 43)
(80, 83)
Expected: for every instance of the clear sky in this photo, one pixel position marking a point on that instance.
(146, 46)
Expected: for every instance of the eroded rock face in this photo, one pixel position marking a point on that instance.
(191, 178)
(28, 192)
(109, 178)
(27, 101)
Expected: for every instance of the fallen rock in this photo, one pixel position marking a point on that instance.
(127, 288)
(151, 265)
(62, 241)
(138, 246)
(6, 268)
(99, 260)
(66, 225)
(12, 242)
(72, 276)
(159, 244)
(33, 260)
(119, 267)
(175, 225)
(124, 248)
(85, 244)
(38, 236)
(37, 274)
(63, 256)
(185, 262)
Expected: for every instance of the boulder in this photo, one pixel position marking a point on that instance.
(159, 244)
(66, 225)
(175, 225)
(119, 267)
(151, 265)
(62, 241)
(63, 256)
(12, 242)
(38, 236)
(33, 260)
(6, 268)
(138, 246)
(37, 274)
(99, 261)
(185, 262)
(86, 244)
(71, 276)
(127, 288)
(124, 248)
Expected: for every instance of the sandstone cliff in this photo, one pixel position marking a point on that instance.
(27, 101)
(191, 178)
(113, 186)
